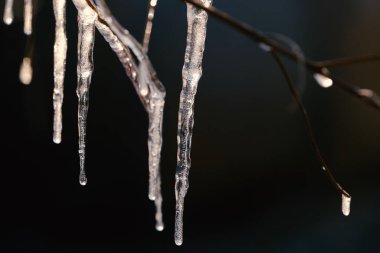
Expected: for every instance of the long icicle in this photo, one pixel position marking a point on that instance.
(149, 24)
(8, 12)
(28, 16)
(85, 67)
(60, 50)
(191, 73)
(150, 91)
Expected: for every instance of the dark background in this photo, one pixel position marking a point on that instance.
(255, 185)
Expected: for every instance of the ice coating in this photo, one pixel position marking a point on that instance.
(26, 71)
(152, 95)
(191, 73)
(346, 204)
(85, 67)
(60, 50)
(149, 24)
(323, 80)
(8, 12)
(158, 204)
(28, 16)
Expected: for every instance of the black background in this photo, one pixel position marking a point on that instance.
(255, 185)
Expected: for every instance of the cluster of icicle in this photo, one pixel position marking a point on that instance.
(94, 15)
(151, 92)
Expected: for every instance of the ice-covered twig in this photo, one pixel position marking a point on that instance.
(8, 12)
(85, 67)
(149, 89)
(149, 24)
(191, 73)
(60, 49)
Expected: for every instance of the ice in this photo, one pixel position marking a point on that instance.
(149, 24)
(60, 49)
(85, 67)
(8, 12)
(346, 203)
(323, 80)
(28, 16)
(26, 71)
(191, 73)
(149, 89)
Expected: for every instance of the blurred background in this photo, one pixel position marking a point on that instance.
(255, 184)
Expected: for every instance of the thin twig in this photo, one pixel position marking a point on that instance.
(366, 95)
(308, 125)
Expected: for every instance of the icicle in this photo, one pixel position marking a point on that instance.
(26, 71)
(149, 24)
(158, 204)
(150, 91)
(8, 12)
(191, 73)
(86, 39)
(60, 49)
(28, 16)
(152, 95)
(346, 203)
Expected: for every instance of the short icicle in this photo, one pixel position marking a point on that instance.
(191, 73)
(28, 16)
(85, 67)
(149, 24)
(60, 50)
(8, 12)
(346, 204)
(26, 71)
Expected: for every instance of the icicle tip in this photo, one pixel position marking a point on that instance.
(83, 180)
(346, 205)
(26, 71)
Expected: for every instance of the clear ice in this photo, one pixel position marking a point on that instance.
(323, 80)
(60, 49)
(8, 12)
(28, 16)
(346, 204)
(191, 73)
(85, 67)
(26, 71)
(149, 89)
(149, 24)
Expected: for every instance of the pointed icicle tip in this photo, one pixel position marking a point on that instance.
(346, 205)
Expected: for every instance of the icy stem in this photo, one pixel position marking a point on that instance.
(8, 12)
(28, 16)
(149, 89)
(191, 73)
(346, 203)
(60, 49)
(26, 71)
(86, 39)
